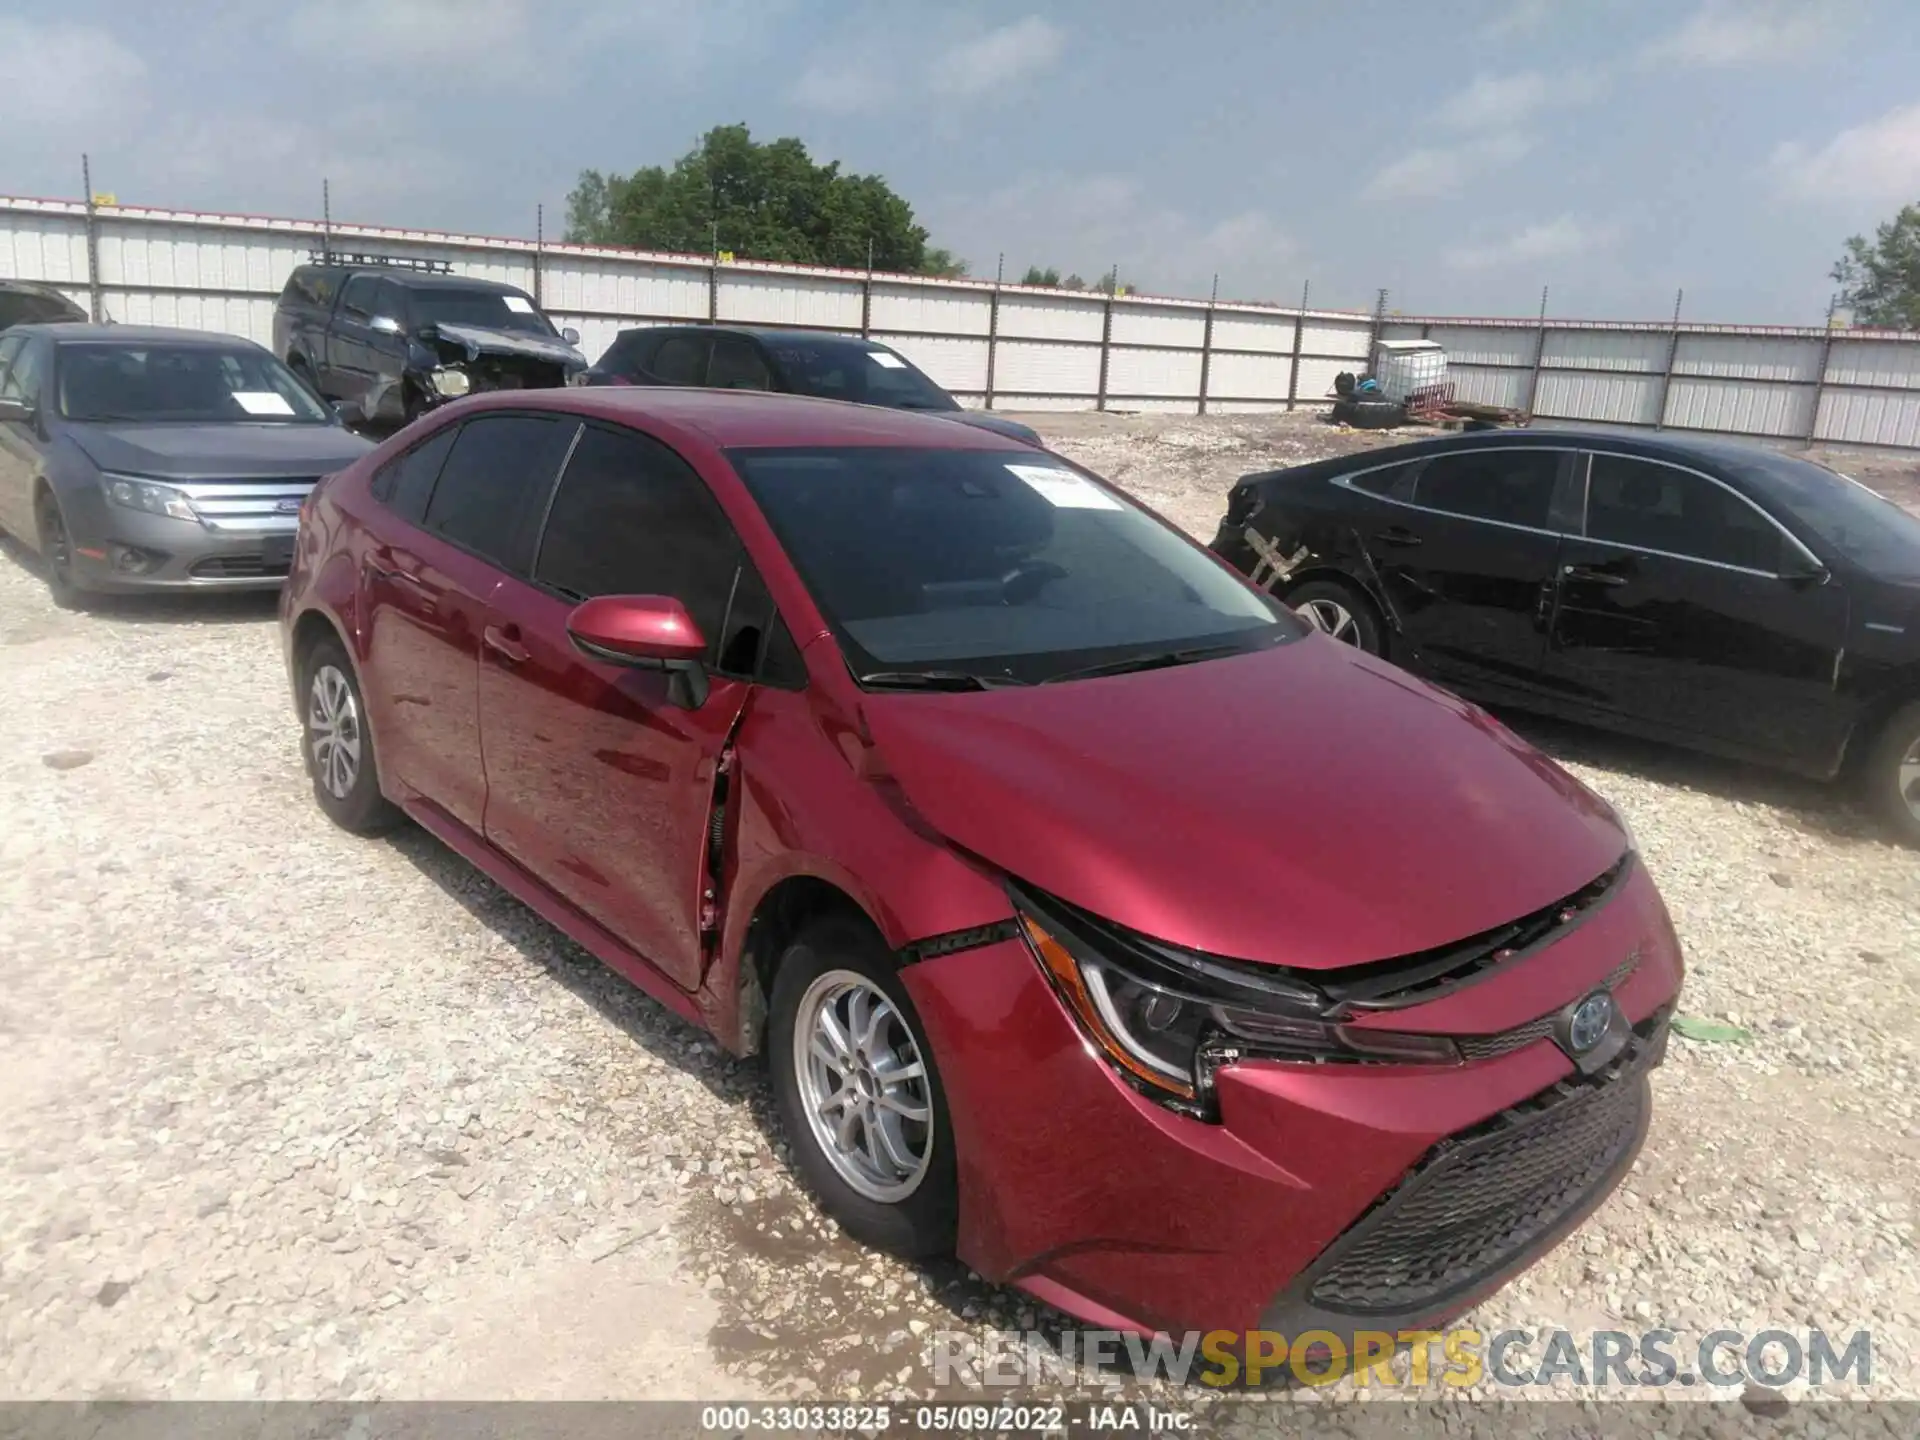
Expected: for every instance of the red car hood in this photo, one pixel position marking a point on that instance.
(1305, 805)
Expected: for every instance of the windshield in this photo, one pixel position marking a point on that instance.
(994, 563)
(1868, 529)
(865, 374)
(488, 309)
(118, 380)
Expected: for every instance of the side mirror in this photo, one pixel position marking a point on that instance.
(645, 632)
(16, 412)
(349, 412)
(570, 335)
(384, 325)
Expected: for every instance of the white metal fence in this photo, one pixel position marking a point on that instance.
(1019, 347)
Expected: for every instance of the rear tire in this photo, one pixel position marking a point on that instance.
(1891, 774)
(336, 744)
(1343, 611)
(889, 1179)
(55, 543)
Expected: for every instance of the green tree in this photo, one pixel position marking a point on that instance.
(760, 200)
(1036, 276)
(1880, 282)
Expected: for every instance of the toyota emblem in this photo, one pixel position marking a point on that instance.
(1591, 1020)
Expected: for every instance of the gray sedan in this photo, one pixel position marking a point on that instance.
(149, 459)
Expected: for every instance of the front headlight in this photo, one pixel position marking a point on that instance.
(155, 499)
(451, 383)
(1167, 1019)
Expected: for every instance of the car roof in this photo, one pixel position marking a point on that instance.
(68, 331)
(749, 419)
(1687, 450)
(423, 279)
(765, 333)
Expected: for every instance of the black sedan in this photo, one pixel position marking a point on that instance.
(801, 362)
(150, 459)
(1719, 596)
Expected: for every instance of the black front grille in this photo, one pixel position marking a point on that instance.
(1488, 1047)
(237, 567)
(1483, 1200)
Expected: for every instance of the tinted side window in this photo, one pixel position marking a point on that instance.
(494, 483)
(360, 296)
(632, 518)
(22, 380)
(681, 360)
(737, 365)
(405, 482)
(628, 353)
(326, 285)
(390, 300)
(9, 347)
(1390, 481)
(299, 286)
(1513, 486)
(1656, 507)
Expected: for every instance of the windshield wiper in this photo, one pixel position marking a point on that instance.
(1151, 660)
(934, 680)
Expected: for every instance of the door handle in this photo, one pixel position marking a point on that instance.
(1399, 535)
(505, 643)
(1591, 575)
(423, 592)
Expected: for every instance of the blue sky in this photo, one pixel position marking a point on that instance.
(1462, 155)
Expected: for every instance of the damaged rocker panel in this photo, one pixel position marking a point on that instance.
(952, 942)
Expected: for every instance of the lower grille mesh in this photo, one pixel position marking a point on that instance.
(1483, 1198)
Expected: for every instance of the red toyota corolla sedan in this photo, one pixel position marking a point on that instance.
(1099, 921)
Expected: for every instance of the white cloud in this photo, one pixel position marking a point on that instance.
(1877, 162)
(999, 57)
(1085, 224)
(1727, 33)
(1433, 171)
(73, 83)
(415, 34)
(1548, 240)
(1492, 101)
(845, 83)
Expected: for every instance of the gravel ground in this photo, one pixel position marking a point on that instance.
(290, 1114)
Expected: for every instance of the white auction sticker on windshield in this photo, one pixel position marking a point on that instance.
(262, 402)
(518, 305)
(1064, 489)
(891, 362)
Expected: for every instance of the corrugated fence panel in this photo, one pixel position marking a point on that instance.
(1166, 373)
(779, 300)
(930, 311)
(1606, 350)
(1486, 345)
(1748, 357)
(1034, 368)
(1317, 376)
(43, 247)
(958, 364)
(1488, 386)
(1248, 377)
(249, 318)
(1240, 331)
(1745, 406)
(1033, 317)
(1870, 417)
(1346, 339)
(596, 332)
(1609, 399)
(1874, 362)
(657, 292)
(1168, 326)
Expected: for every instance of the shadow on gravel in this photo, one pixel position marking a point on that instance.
(201, 607)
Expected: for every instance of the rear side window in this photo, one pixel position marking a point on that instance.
(628, 354)
(405, 482)
(1392, 480)
(1656, 507)
(495, 482)
(633, 518)
(681, 360)
(1514, 487)
(360, 297)
(23, 373)
(737, 365)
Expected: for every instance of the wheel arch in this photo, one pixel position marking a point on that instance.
(1322, 570)
(782, 911)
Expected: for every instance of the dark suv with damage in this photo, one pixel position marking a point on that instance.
(389, 338)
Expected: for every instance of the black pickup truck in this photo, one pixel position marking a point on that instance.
(392, 339)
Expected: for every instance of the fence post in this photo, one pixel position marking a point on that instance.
(993, 323)
(326, 218)
(539, 244)
(866, 295)
(1299, 329)
(1820, 381)
(1206, 343)
(1539, 356)
(1379, 324)
(1673, 353)
(93, 241)
(1106, 334)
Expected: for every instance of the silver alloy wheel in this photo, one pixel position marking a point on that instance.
(863, 1081)
(1908, 779)
(1330, 617)
(333, 731)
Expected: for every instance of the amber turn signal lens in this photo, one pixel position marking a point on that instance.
(1064, 971)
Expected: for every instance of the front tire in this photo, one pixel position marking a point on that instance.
(1892, 773)
(858, 1093)
(56, 556)
(336, 744)
(1343, 611)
